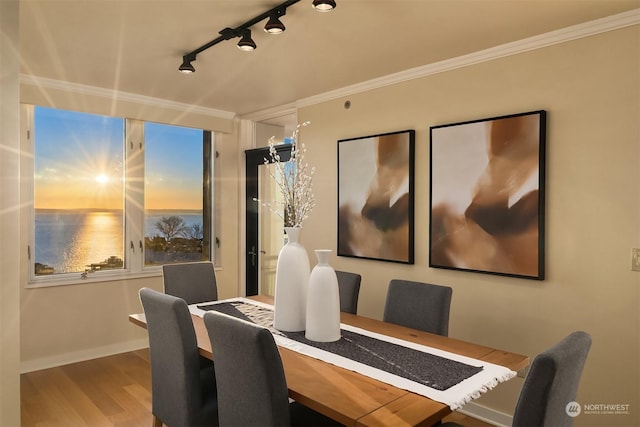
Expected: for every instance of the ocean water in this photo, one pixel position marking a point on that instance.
(69, 241)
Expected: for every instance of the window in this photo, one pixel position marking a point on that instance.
(176, 214)
(116, 196)
(78, 192)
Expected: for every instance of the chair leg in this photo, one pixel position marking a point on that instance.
(157, 422)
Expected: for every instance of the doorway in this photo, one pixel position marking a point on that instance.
(264, 229)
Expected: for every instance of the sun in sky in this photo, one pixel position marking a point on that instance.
(78, 160)
(79, 163)
(102, 179)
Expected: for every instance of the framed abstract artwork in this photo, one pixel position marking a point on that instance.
(375, 197)
(487, 199)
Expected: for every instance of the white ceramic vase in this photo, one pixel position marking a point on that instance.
(292, 279)
(323, 301)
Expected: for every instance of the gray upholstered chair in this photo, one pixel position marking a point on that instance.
(194, 282)
(551, 384)
(252, 388)
(182, 394)
(349, 288)
(418, 305)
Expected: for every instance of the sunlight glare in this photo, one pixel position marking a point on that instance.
(102, 179)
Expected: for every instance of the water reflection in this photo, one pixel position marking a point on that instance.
(71, 242)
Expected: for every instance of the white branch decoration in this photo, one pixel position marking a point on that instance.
(294, 180)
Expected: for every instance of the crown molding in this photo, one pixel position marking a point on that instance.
(47, 83)
(271, 113)
(610, 23)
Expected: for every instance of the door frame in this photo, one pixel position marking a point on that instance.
(254, 158)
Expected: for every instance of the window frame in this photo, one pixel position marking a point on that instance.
(134, 210)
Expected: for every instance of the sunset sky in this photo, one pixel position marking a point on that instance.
(79, 163)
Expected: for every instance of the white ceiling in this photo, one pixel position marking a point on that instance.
(136, 46)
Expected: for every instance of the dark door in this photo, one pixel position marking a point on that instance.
(255, 160)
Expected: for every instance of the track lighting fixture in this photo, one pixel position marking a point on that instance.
(246, 43)
(324, 5)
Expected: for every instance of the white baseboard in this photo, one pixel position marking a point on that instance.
(81, 356)
(487, 415)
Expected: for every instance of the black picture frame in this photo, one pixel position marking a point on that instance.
(376, 197)
(487, 195)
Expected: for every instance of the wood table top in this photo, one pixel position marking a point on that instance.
(354, 399)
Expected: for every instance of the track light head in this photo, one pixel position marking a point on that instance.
(274, 25)
(187, 67)
(246, 43)
(324, 5)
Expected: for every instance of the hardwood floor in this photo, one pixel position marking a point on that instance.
(110, 391)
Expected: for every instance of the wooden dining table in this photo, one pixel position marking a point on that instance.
(354, 399)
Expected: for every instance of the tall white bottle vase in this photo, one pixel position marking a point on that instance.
(323, 301)
(292, 279)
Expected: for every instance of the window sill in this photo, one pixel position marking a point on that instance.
(75, 279)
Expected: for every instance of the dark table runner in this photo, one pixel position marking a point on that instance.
(430, 370)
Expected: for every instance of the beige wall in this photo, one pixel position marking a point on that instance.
(9, 215)
(230, 164)
(590, 89)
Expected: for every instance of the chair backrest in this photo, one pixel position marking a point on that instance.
(349, 288)
(418, 305)
(552, 383)
(252, 389)
(175, 366)
(194, 282)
